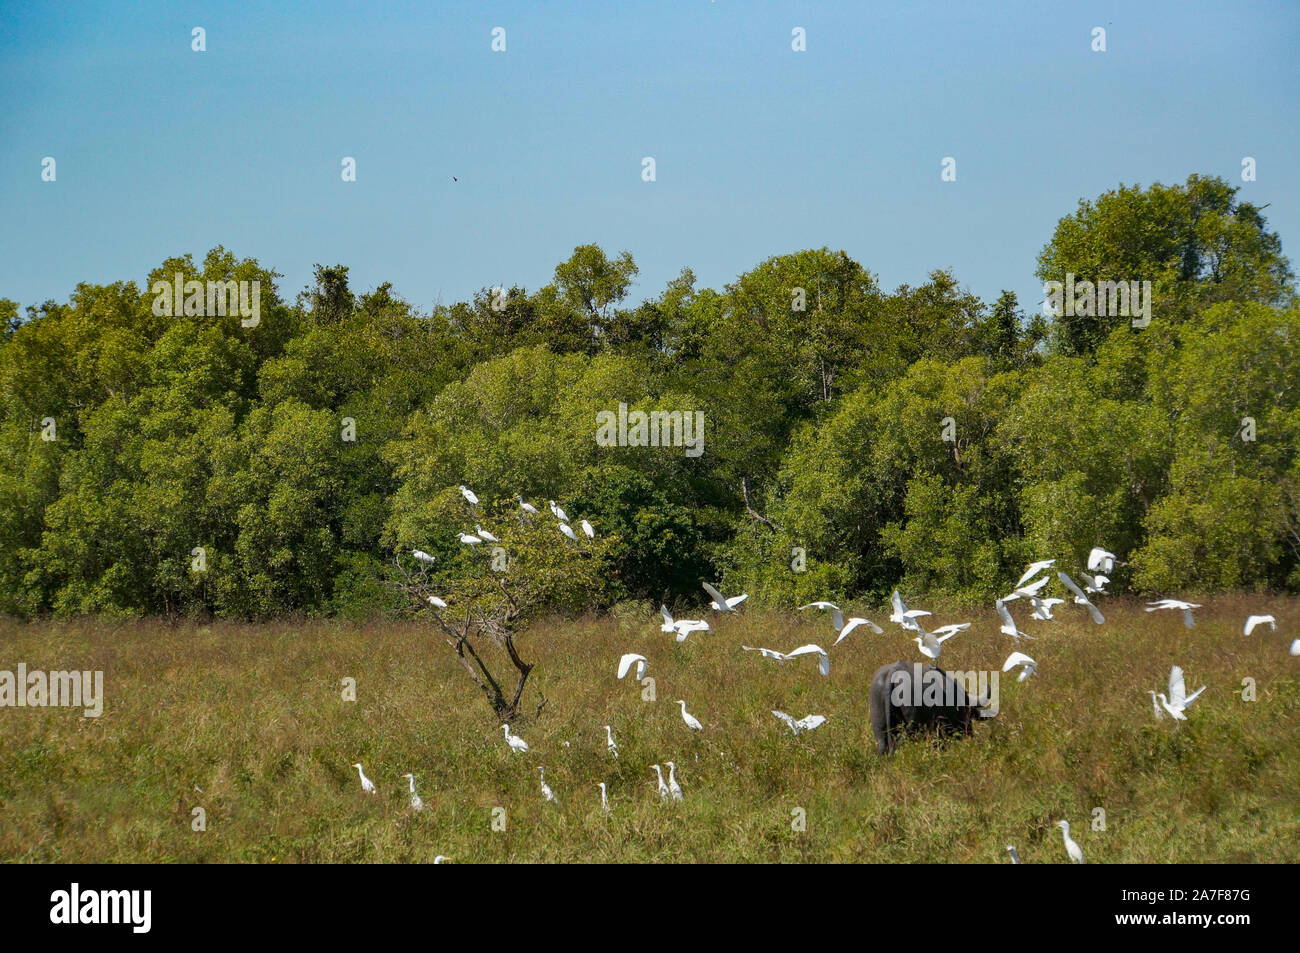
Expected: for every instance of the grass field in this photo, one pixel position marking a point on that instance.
(254, 716)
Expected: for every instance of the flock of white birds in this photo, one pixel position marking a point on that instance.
(929, 642)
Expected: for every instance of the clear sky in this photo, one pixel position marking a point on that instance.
(760, 150)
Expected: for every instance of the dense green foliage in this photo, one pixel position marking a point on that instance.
(827, 402)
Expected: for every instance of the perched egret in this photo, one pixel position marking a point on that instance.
(1100, 561)
(1033, 570)
(604, 801)
(1080, 598)
(1254, 620)
(720, 602)
(416, 803)
(422, 556)
(366, 784)
(765, 653)
(469, 495)
(516, 743)
(437, 602)
(1009, 624)
(484, 534)
(1011, 849)
(526, 507)
(1071, 848)
(837, 617)
(692, 722)
(806, 723)
(1019, 659)
(852, 624)
(627, 661)
(609, 741)
(823, 660)
(674, 788)
(663, 788)
(567, 530)
(558, 513)
(469, 539)
(1186, 608)
(588, 529)
(547, 793)
(1178, 699)
(903, 615)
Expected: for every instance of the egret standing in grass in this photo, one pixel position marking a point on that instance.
(1071, 848)
(1011, 849)
(609, 741)
(674, 788)
(366, 784)
(604, 801)
(663, 788)
(547, 793)
(416, 803)
(516, 743)
(692, 722)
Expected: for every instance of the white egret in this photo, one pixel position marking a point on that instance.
(437, 602)
(823, 659)
(692, 722)
(1028, 591)
(484, 534)
(1071, 848)
(1185, 607)
(1081, 599)
(806, 723)
(1009, 624)
(526, 507)
(627, 661)
(469, 539)
(837, 617)
(683, 627)
(1011, 849)
(720, 602)
(441, 859)
(547, 793)
(469, 495)
(1178, 699)
(567, 530)
(416, 803)
(588, 529)
(1099, 560)
(516, 743)
(852, 624)
(1254, 620)
(663, 788)
(1095, 584)
(1043, 608)
(604, 801)
(422, 556)
(557, 512)
(609, 741)
(1033, 570)
(366, 784)
(1019, 659)
(903, 615)
(1155, 703)
(930, 644)
(674, 788)
(765, 653)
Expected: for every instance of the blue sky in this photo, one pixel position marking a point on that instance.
(760, 150)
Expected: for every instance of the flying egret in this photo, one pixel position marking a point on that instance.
(609, 741)
(567, 530)
(1186, 608)
(1095, 583)
(1080, 598)
(1254, 620)
(903, 615)
(547, 793)
(1033, 570)
(469, 495)
(558, 513)
(1043, 608)
(516, 743)
(469, 539)
(422, 556)
(1155, 703)
(674, 788)
(720, 602)
(663, 788)
(1028, 591)
(1178, 699)
(852, 624)
(683, 627)
(627, 661)
(526, 507)
(1071, 848)
(765, 653)
(604, 801)
(823, 660)
(1100, 561)
(806, 723)
(366, 784)
(1027, 665)
(416, 803)
(930, 644)
(837, 617)
(588, 529)
(692, 722)
(1009, 624)
(1011, 849)
(437, 602)
(484, 534)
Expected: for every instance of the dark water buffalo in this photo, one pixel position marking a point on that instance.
(912, 696)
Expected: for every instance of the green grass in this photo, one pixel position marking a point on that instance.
(254, 716)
